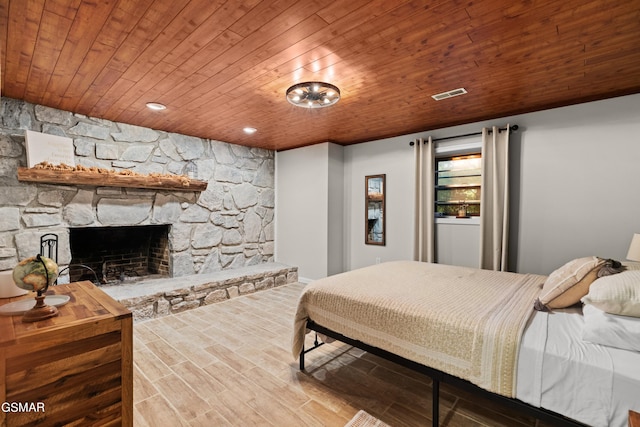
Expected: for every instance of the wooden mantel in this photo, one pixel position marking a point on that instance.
(152, 182)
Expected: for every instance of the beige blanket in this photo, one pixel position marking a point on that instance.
(463, 321)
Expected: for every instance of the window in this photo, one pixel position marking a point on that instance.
(458, 185)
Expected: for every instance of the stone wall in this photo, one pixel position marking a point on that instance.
(230, 225)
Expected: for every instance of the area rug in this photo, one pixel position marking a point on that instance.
(364, 419)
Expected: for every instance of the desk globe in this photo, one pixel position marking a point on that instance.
(37, 274)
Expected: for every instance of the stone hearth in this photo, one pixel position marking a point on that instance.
(148, 299)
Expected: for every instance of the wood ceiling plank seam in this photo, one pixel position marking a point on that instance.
(200, 88)
(163, 89)
(90, 69)
(227, 72)
(280, 30)
(264, 11)
(159, 121)
(118, 87)
(137, 98)
(625, 51)
(579, 17)
(373, 50)
(490, 12)
(224, 14)
(246, 77)
(339, 9)
(138, 92)
(541, 50)
(243, 49)
(96, 91)
(168, 39)
(137, 41)
(609, 48)
(505, 32)
(87, 23)
(51, 35)
(103, 81)
(194, 95)
(396, 66)
(148, 70)
(122, 20)
(4, 24)
(195, 46)
(315, 65)
(253, 70)
(64, 8)
(353, 24)
(606, 69)
(584, 23)
(23, 22)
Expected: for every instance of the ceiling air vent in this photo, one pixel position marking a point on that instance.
(449, 94)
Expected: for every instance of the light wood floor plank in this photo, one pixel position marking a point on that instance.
(229, 364)
(157, 411)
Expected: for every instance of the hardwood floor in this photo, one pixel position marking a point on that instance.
(229, 364)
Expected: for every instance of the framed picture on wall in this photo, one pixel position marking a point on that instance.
(375, 209)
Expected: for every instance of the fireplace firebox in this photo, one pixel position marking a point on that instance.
(119, 254)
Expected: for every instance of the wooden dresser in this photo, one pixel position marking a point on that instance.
(76, 368)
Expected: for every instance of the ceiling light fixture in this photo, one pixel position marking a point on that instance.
(156, 106)
(313, 95)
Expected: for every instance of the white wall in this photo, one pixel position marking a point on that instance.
(335, 211)
(575, 178)
(301, 209)
(393, 157)
(458, 241)
(309, 213)
(579, 183)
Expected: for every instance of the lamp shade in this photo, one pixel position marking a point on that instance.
(634, 248)
(8, 288)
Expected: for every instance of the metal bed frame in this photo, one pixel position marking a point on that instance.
(437, 377)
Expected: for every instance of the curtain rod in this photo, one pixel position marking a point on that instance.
(511, 128)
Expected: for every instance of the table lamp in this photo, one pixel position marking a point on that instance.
(634, 248)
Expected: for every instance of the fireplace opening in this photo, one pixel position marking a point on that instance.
(119, 254)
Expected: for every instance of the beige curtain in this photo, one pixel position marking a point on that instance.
(424, 246)
(494, 202)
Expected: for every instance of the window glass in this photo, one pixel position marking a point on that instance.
(458, 185)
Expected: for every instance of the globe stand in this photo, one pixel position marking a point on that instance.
(40, 311)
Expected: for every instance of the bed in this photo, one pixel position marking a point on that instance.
(475, 329)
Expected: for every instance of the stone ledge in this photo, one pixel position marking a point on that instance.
(153, 298)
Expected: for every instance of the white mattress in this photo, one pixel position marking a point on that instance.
(590, 383)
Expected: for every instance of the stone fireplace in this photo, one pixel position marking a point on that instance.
(225, 227)
(119, 254)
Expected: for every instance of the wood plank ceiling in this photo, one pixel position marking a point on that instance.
(222, 65)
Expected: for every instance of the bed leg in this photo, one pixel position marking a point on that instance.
(435, 384)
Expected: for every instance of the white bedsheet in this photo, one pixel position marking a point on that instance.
(590, 383)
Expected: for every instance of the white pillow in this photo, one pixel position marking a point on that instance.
(610, 329)
(631, 265)
(616, 294)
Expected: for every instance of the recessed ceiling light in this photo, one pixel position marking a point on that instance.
(156, 106)
(249, 130)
